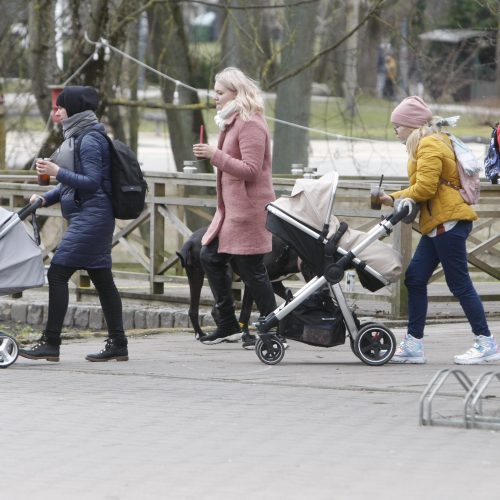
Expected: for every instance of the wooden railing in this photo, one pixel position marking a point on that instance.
(176, 199)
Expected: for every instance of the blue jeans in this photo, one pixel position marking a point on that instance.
(448, 249)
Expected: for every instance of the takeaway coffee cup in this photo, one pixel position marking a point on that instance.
(43, 179)
(190, 167)
(376, 191)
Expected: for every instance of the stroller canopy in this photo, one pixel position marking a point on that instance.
(309, 199)
(21, 263)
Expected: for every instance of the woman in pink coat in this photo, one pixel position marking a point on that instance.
(244, 188)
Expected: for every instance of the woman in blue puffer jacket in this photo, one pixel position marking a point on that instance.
(82, 167)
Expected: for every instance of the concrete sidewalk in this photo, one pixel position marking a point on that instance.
(182, 420)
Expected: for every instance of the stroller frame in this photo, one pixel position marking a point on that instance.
(372, 343)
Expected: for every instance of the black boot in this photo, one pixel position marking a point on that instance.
(111, 351)
(249, 340)
(229, 333)
(41, 350)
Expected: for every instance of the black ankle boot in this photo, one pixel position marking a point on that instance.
(231, 333)
(110, 351)
(41, 350)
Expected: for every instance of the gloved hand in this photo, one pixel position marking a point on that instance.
(413, 208)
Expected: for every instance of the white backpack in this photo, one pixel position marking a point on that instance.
(468, 170)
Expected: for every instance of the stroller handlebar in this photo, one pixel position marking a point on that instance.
(30, 208)
(399, 214)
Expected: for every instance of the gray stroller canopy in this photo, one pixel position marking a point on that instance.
(21, 263)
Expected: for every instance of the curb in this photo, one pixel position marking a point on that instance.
(90, 316)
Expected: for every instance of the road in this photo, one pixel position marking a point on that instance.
(182, 420)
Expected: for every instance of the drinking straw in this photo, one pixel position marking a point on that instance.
(201, 134)
(380, 183)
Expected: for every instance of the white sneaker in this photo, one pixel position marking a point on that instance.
(484, 350)
(410, 350)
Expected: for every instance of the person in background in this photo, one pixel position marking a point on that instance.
(445, 223)
(244, 188)
(390, 77)
(86, 244)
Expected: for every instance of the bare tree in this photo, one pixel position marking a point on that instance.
(293, 99)
(497, 54)
(245, 36)
(171, 55)
(42, 52)
(351, 60)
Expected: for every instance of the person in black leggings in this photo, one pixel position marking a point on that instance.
(82, 167)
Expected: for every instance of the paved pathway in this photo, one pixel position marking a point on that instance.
(182, 420)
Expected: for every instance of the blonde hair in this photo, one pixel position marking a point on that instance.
(413, 140)
(248, 94)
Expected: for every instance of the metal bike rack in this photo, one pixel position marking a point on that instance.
(472, 415)
(473, 408)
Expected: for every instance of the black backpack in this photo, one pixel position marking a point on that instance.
(128, 187)
(492, 159)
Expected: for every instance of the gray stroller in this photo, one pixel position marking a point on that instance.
(21, 266)
(318, 314)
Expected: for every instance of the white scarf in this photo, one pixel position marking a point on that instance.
(226, 112)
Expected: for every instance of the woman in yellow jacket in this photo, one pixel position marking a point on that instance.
(445, 223)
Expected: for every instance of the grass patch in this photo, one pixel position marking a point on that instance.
(372, 120)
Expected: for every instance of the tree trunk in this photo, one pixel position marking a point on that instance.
(42, 53)
(3, 133)
(293, 101)
(171, 55)
(497, 54)
(351, 61)
(133, 83)
(245, 38)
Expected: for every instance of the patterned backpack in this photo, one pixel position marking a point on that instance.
(492, 159)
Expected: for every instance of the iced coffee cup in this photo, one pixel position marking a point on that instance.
(376, 191)
(43, 179)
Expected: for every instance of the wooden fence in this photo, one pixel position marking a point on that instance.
(178, 202)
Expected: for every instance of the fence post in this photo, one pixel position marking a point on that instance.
(157, 239)
(402, 242)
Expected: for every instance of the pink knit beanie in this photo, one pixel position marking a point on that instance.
(412, 112)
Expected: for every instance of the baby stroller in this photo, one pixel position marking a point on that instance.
(21, 266)
(318, 314)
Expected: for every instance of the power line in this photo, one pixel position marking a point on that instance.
(103, 43)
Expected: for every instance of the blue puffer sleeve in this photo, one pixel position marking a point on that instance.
(52, 196)
(89, 179)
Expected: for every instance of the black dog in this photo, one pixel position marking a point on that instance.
(281, 262)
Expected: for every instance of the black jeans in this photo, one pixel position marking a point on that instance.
(252, 272)
(111, 302)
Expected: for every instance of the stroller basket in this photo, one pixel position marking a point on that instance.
(317, 321)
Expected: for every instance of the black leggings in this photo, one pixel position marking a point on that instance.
(252, 271)
(111, 302)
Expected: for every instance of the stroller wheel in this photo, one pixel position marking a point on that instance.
(269, 349)
(9, 350)
(375, 344)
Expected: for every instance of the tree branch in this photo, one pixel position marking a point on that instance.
(311, 61)
(157, 105)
